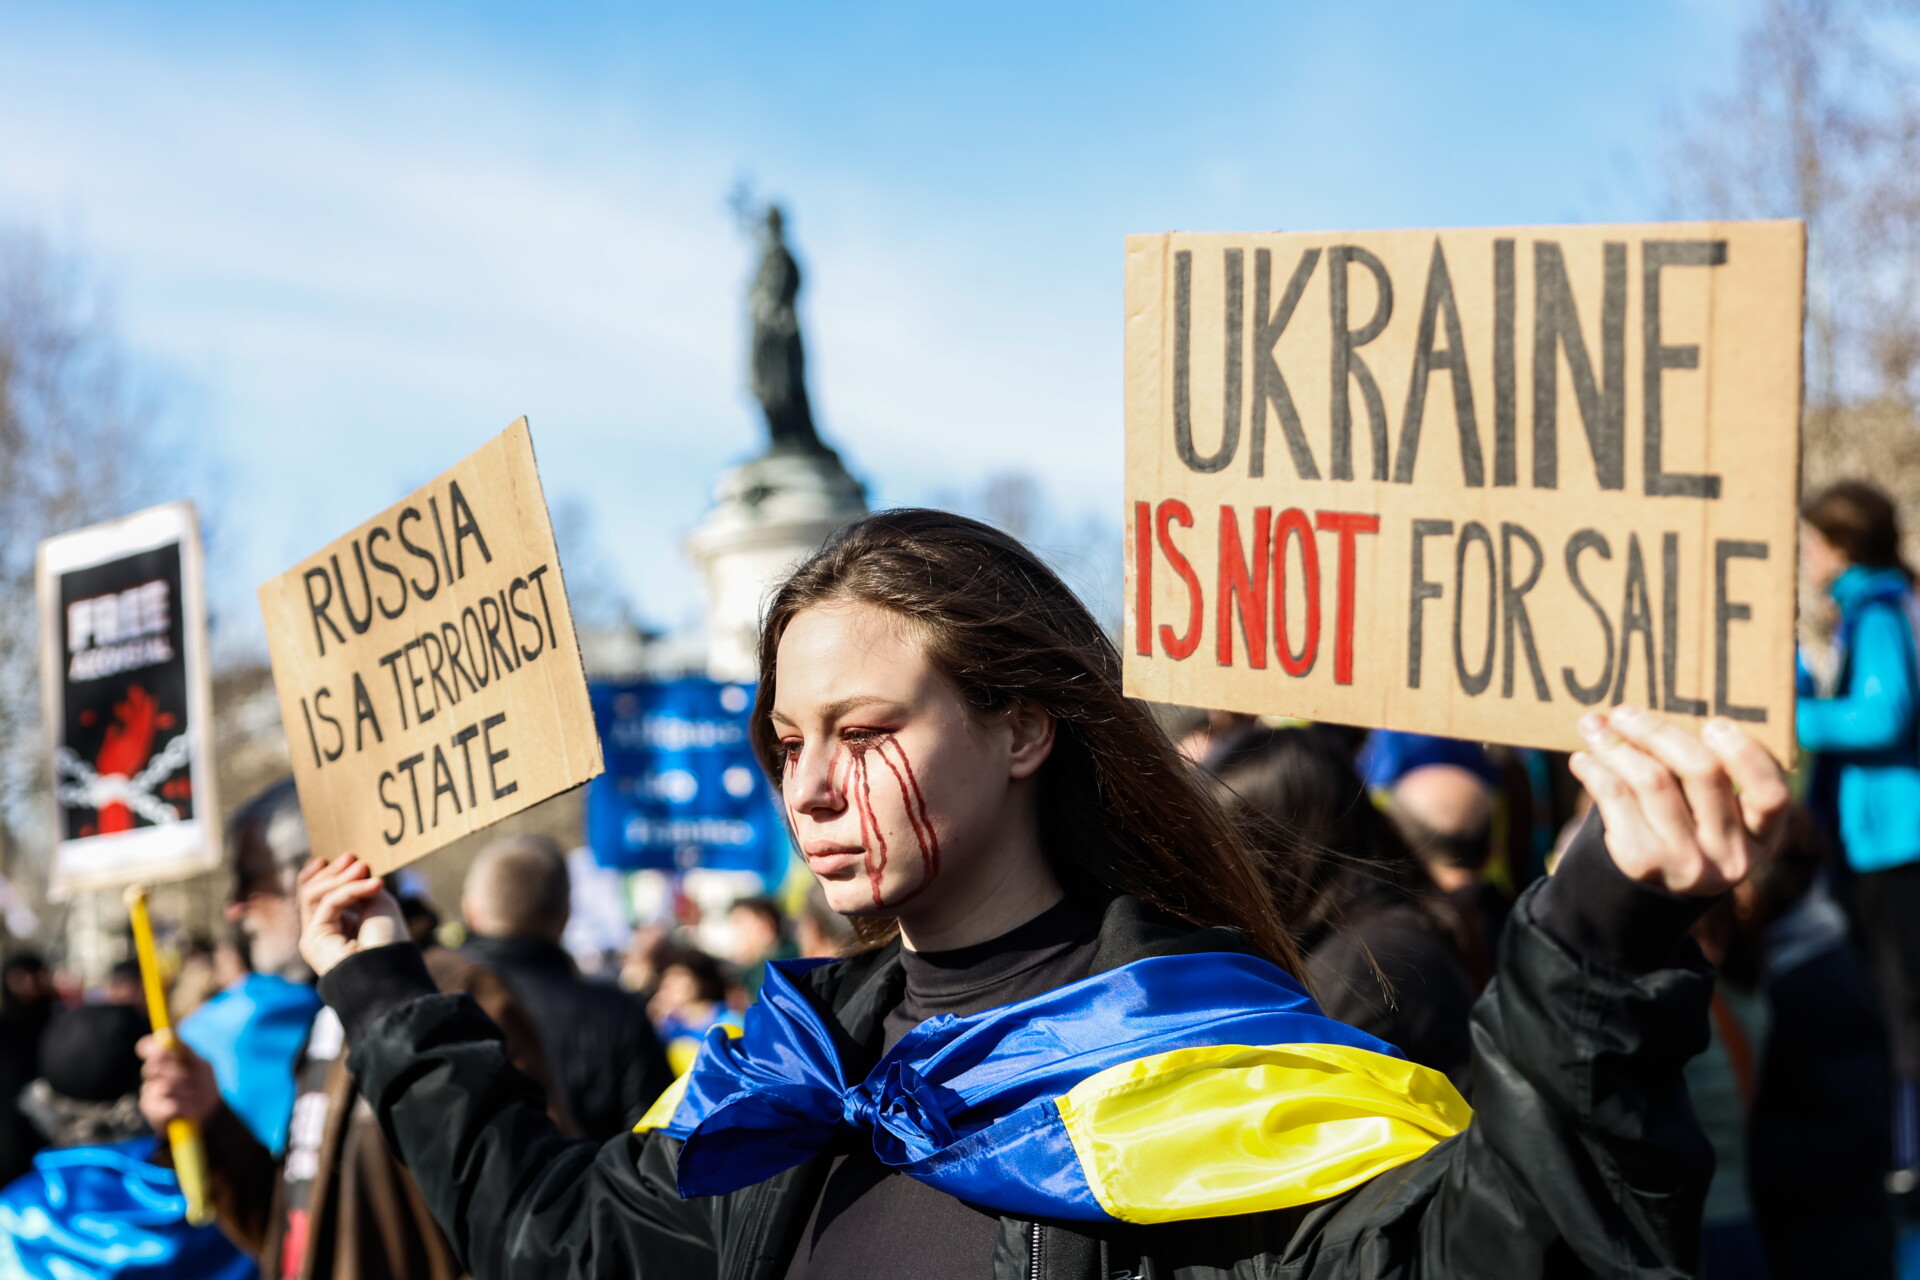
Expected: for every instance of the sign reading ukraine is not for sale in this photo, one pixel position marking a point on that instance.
(1467, 482)
(429, 677)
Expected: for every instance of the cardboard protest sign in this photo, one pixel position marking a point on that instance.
(123, 667)
(1466, 482)
(427, 668)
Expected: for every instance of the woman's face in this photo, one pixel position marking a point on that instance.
(1820, 560)
(892, 787)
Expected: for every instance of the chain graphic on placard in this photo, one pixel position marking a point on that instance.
(81, 787)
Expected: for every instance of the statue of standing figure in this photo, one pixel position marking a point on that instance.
(778, 371)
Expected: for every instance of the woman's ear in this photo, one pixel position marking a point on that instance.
(1031, 731)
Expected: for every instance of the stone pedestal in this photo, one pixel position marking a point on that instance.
(767, 516)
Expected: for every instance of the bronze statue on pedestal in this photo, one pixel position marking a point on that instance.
(777, 362)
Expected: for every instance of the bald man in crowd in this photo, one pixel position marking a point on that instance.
(605, 1056)
(1445, 812)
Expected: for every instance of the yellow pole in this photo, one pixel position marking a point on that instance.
(189, 1157)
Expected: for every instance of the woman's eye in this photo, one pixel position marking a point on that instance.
(865, 737)
(790, 748)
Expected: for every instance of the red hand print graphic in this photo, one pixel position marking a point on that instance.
(127, 747)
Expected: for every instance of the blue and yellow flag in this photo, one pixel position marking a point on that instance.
(1175, 1087)
(108, 1213)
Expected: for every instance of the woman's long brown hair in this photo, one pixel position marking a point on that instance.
(1120, 811)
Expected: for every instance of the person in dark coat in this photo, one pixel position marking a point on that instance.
(1069, 1045)
(1445, 813)
(604, 1055)
(335, 1204)
(27, 1004)
(1378, 939)
(1817, 1138)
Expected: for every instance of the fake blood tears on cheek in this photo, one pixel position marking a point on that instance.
(859, 789)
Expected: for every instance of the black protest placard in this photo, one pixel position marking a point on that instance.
(125, 684)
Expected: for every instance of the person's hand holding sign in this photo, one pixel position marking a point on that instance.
(344, 909)
(1688, 814)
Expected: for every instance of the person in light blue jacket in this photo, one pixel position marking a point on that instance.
(1867, 738)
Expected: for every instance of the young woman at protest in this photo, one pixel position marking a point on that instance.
(1867, 780)
(1067, 1044)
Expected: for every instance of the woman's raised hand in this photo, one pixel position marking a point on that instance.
(344, 909)
(1686, 813)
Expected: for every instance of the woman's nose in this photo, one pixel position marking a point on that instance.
(812, 786)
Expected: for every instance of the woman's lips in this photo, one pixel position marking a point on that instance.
(834, 860)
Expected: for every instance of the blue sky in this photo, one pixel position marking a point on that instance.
(350, 242)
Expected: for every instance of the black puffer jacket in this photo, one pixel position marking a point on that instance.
(1818, 1141)
(1583, 1157)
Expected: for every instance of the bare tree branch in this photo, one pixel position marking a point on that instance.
(1823, 123)
(74, 449)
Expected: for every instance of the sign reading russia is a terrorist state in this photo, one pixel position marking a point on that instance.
(427, 668)
(1468, 483)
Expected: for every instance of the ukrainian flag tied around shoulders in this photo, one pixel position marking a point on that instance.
(1171, 1088)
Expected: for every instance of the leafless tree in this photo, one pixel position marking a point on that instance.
(1084, 549)
(1823, 124)
(75, 447)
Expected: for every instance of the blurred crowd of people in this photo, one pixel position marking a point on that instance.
(301, 1182)
(1399, 855)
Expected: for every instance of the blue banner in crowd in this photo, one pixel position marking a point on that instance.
(682, 788)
